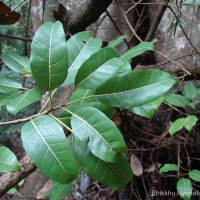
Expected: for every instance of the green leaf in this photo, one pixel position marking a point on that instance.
(15, 62)
(8, 97)
(80, 47)
(24, 99)
(177, 100)
(49, 60)
(189, 122)
(8, 160)
(46, 145)
(103, 137)
(184, 187)
(114, 175)
(58, 191)
(176, 126)
(137, 50)
(99, 68)
(8, 84)
(195, 175)
(116, 42)
(189, 90)
(84, 98)
(134, 88)
(148, 110)
(191, 4)
(168, 167)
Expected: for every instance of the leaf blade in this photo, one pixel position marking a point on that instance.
(15, 62)
(24, 99)
(134, 88)
(111, 174)
(80, 47)
(104, 139)
(40, 139)
(8, 160)
(8, 84)
(49, 57)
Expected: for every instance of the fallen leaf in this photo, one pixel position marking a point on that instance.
(7, 16)
(136, 166)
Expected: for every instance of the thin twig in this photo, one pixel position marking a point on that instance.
(117, 28)
(16, 38)
(29, 118)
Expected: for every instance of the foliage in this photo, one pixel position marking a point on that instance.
(103, 80)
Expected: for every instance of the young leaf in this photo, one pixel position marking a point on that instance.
(8, 84)
(134, 88)
(176, 126)
(189, 122)
(189, 90)
(195, 175)
(177, 100)
(49, 60)
(80, 47)
(184, 187)
(137, 50)
(58, 191)
(15, 62)
(103, 137)
(168, 168)
(46, 144)
(116, 42)
(8, 97)
(148, 110)
(114, 175)
(8, 160)
(99, 68)
(24, 99)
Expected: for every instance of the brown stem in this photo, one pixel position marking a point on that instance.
(16, 38)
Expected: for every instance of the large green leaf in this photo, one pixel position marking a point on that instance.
(137, 50)
(58, 191)
(15, 62)
(114, 175)
(46, 144)
(80, 47)
(104, 139)
(148, 110)
(8, 84)
(99, 68)
(8, 160)
(184, 187)
(49, 60)
(8, 97)
(134, 88)
(24, 99)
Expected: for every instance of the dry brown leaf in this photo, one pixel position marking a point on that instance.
(136, 166)
(46, 187)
